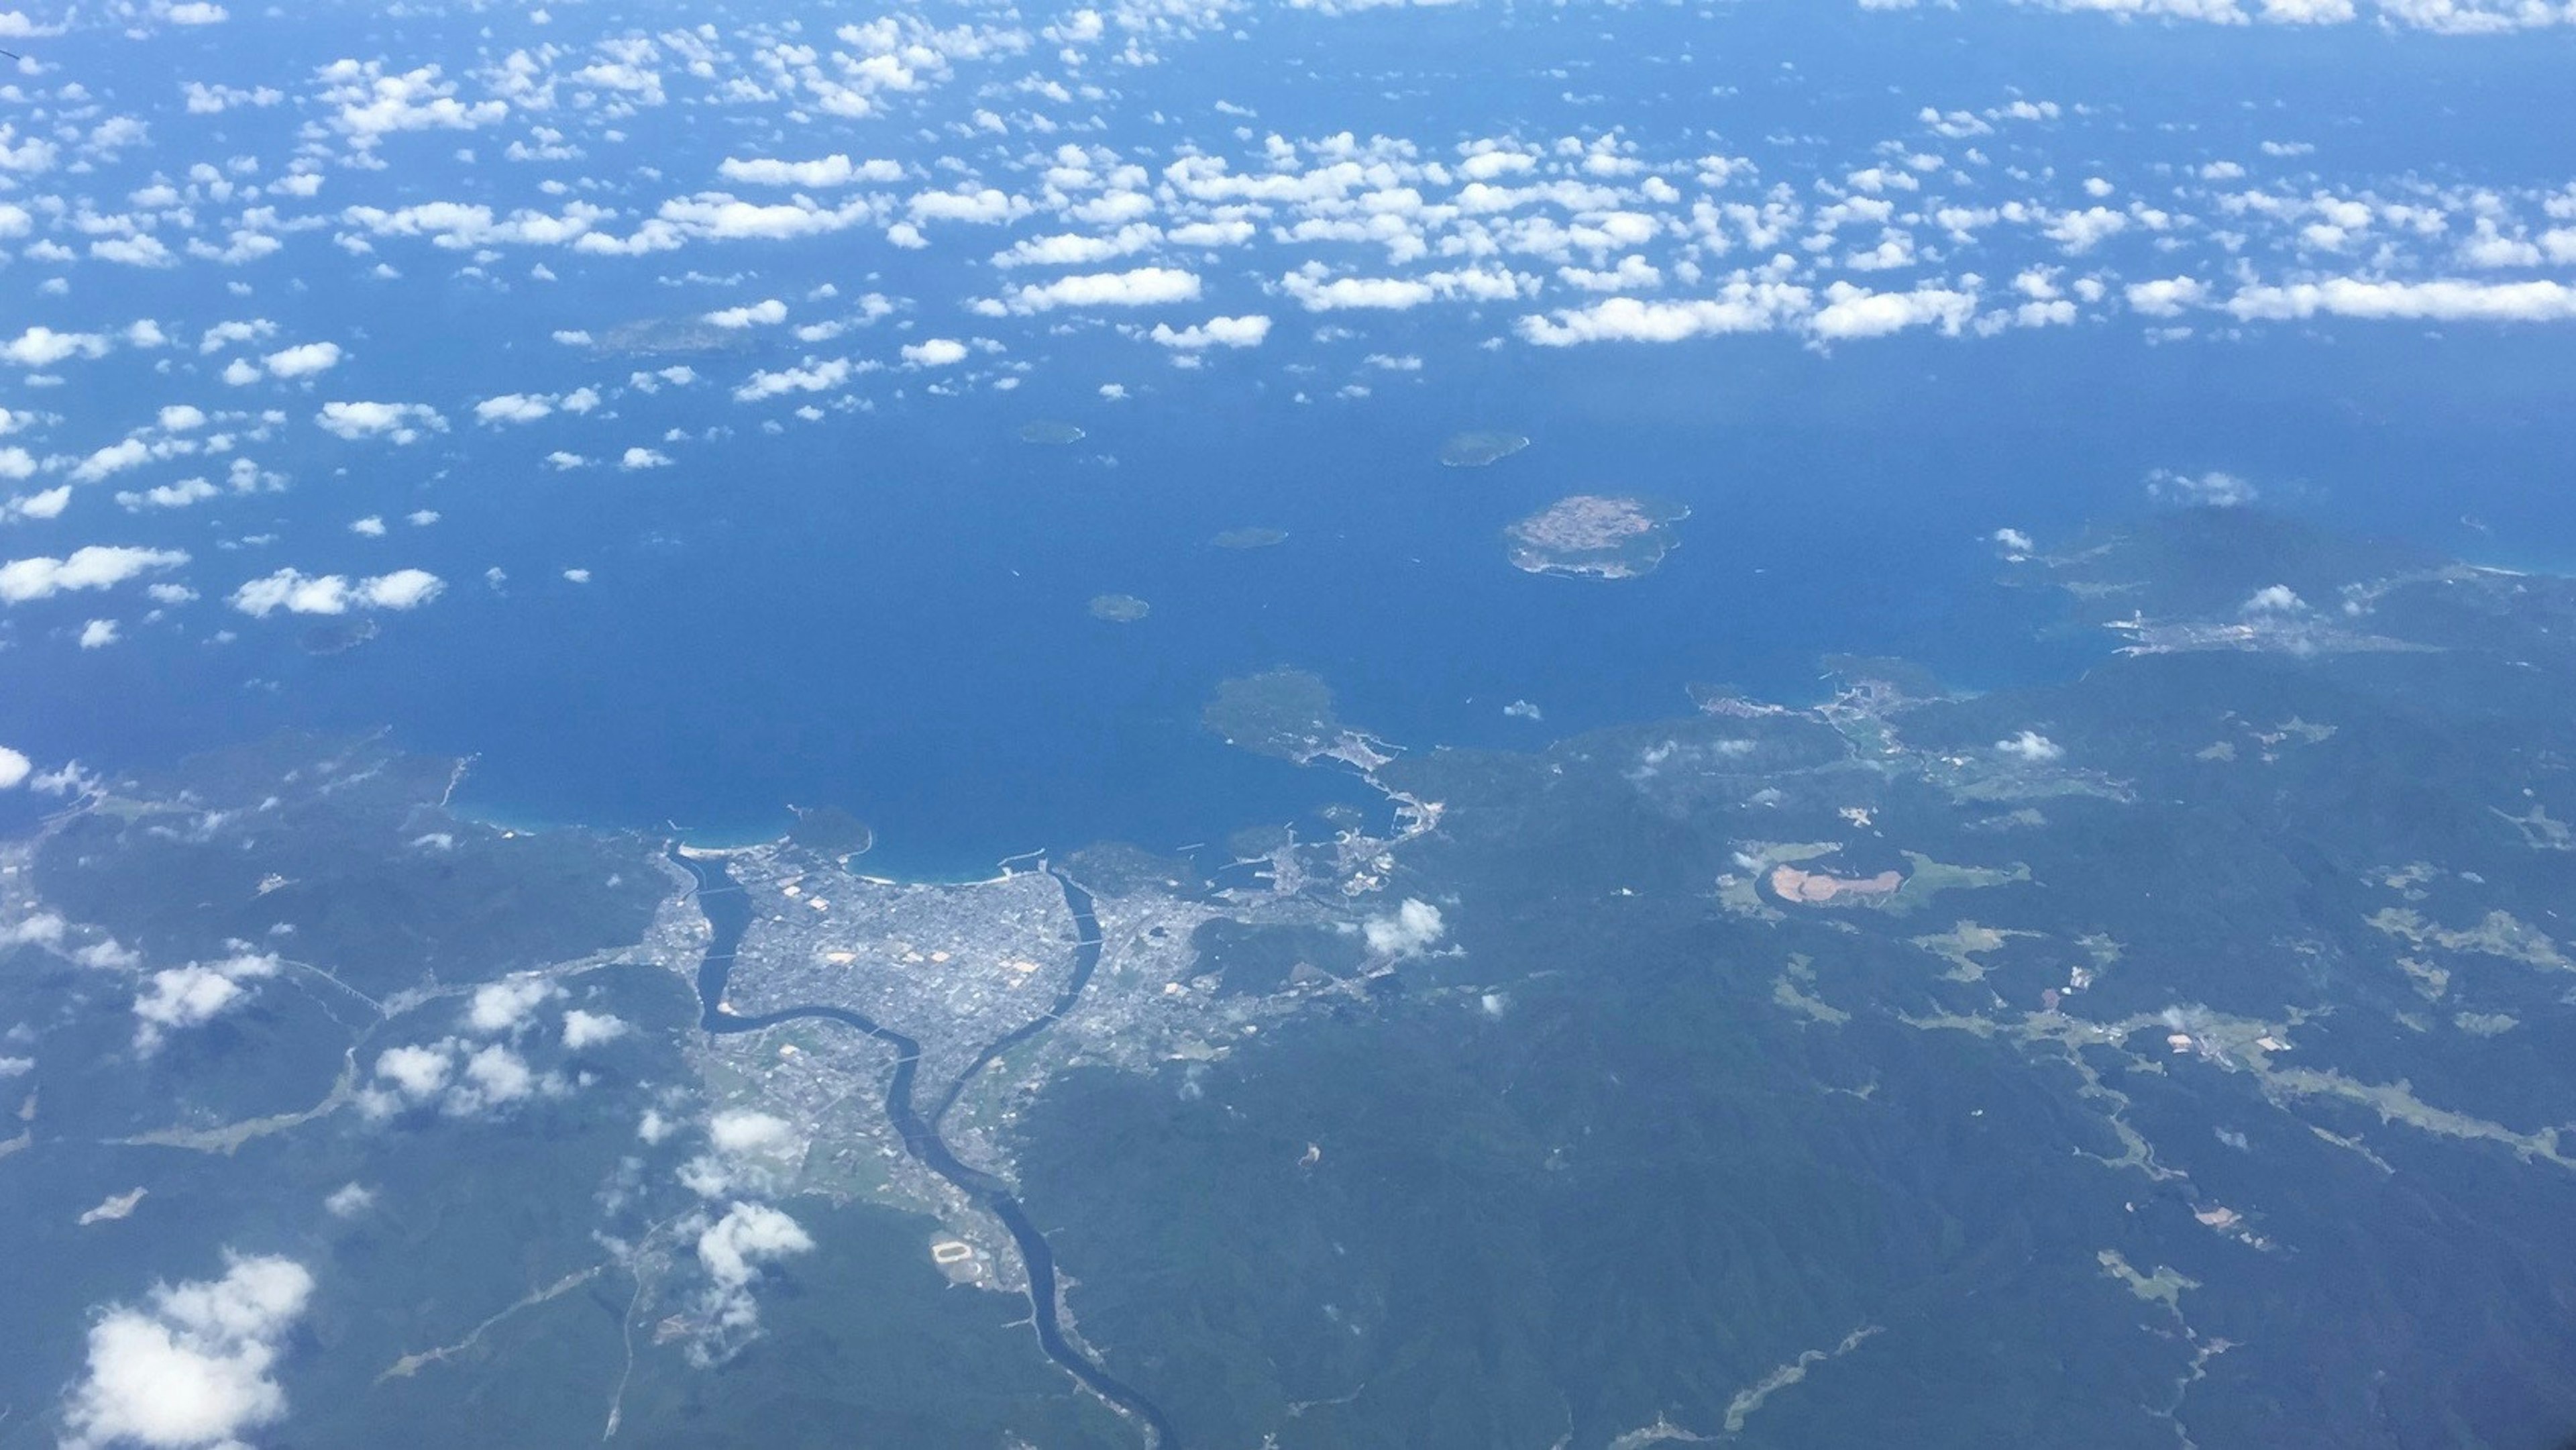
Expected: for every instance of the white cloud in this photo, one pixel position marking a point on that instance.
(812, 377)
(1741, 306)
(111, 460)
(94, 567)
(2438, 300)
(419, 1072)
(349, 1200)
(194, 1366)
(463, 1080)
(505, 1006)
(1855, 312)
(2276, 599)
(743, 1131)
(494, 1077)
(176, 998)
(46, 503)
(514, 408)
(401, 422)
(1141, 287)
(731, 1250)
(1215, 332)
(99, 634)
(299, 593)
(2031, 746)
(935, 352)
(2167, 297)
(169, 495)
(758, 314)
(833, 170)
(590, 1029)
(1409, 930)
(42, 347)
(303, 360)
(636, 458)
(2014, 542)
(14, 768)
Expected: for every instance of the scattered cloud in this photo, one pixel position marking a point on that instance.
(300, 593)
(398, 422)
(2032, 747)
(194, 1365)
(178, 998)
(1410, 930)
(94, 567)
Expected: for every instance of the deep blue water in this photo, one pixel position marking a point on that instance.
(886, 610)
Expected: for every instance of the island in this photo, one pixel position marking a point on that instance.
(671, 337)
(1477, 449)
(1250, 538)
(1595, 536)
(1119, 608)
(1051, 431)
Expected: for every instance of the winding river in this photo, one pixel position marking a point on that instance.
(728, 911)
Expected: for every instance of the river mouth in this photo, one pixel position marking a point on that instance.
(728, 912)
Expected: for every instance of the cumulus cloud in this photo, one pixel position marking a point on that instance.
(936, 352)
(514, 408)
(95, 567)
(811, 377)
(46, 503)
(178, 998)
(15, 767)
(742, 1131)
(1411, 929)
(732, 1250)
(757, 314)
(1141, 287)
(194, 1366)
(1248, 331)
(1856, 312)
(2276, 599)
(833, 170)
(2013, 542)
(2435, 300)
(303, 361)
(2031, 746)
(506, 1006)
(590, 1029)
(1740, 307)
(399, 422)
(42, 347)
(299, 593)
(458, 1078)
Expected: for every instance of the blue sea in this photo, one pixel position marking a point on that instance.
(885, 610)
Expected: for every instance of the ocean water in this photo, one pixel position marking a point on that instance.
(887, 611)
(884, 610)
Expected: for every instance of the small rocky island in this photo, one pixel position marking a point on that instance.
(1595, 536)
(1250, 538)
(1119, 608)
(1477, 449)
